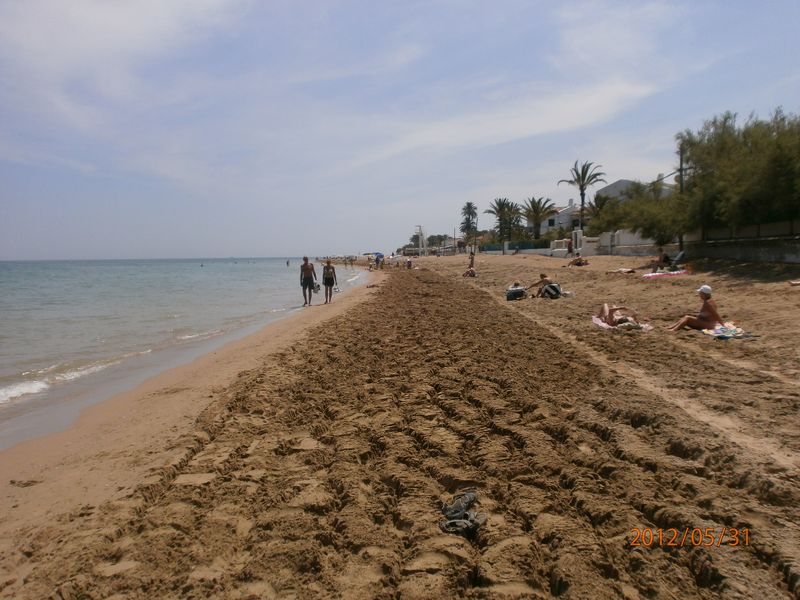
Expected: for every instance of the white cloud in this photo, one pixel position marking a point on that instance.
(598, 39)
(563, 110)
(66, 58)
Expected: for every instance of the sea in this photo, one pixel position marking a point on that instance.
(73, 333)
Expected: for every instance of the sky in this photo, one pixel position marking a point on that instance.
(216, 128)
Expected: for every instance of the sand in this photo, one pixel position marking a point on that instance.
(318, 470)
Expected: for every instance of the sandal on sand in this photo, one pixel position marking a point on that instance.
(465, 526)
(461, 503)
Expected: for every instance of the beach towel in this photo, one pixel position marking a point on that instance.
(664, 274)
(622, 326)
(728, 331)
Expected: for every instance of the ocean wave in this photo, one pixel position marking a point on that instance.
(41, 371)
(202, 335)
(93, 368)
(15, 390)
(353, 278)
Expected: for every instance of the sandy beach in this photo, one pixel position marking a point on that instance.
(310, 460)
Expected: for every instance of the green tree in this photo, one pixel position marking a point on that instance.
(437, 240)
(742, 174)
(608, 214)
(582, 178)
(652, 214)
(508, 217)
(536, 210)
(469, 222)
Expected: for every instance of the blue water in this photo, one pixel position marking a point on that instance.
(64, 321)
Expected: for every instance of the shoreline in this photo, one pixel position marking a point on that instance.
(55, 372)
(112, 444)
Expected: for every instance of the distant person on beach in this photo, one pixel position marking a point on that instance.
(329, 280)
(569, 247)
(408, 263)
(707, 318)
(307, 278)
(287, 263)
(470, 272)
(578, 261)
(617, 315)
(661, 261)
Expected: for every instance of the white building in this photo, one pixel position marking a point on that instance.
(567, 217)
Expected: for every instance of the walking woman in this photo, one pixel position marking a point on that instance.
(329, 280)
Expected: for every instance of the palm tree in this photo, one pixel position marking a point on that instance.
(583, 177)
(536, 210)
(508, 216)
(469, 225)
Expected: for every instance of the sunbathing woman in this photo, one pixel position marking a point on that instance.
(617, 315)
(578, 261)
(707, 318)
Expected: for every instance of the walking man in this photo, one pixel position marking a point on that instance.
(307, 278)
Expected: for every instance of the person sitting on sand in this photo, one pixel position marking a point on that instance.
(662, 261)
(707, 318)
(546, 288)
(578, 261)
(617, 315)
(471, 272)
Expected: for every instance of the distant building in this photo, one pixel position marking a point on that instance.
(615, 190)
(618, 189)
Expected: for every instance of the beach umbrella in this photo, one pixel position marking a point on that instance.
(378, 254)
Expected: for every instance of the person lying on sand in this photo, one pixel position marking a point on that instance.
(617, 315)
(707, 318)
(622, 270)
(578, 261)
(795, 282)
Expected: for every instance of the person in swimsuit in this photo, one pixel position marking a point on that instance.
(707, 318)
(578, 261)
(307, 278)
(617, 315)
(539, 285)
(661, 261)
(329, 280)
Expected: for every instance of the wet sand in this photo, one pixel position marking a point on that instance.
(318, 471)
